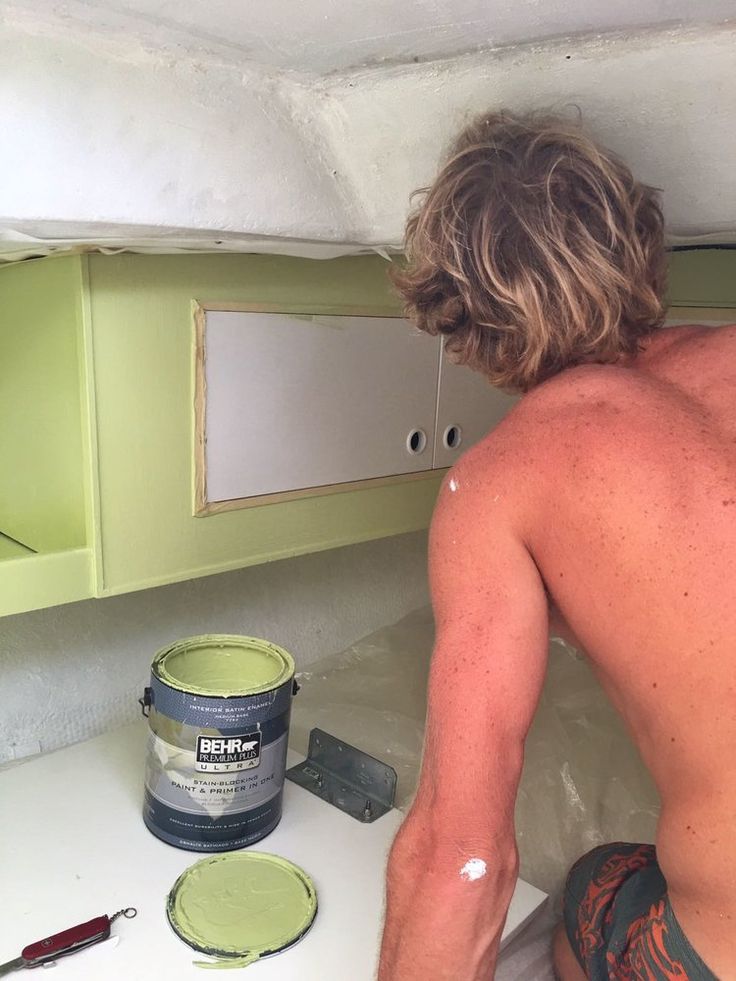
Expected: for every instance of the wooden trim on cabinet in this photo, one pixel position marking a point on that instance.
(301, 309)
(200, 411)
(217, 507)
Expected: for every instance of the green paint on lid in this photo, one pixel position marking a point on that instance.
(242, 906)
(223, 665)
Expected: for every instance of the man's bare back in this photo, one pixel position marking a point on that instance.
(630, 505)
(606, 500)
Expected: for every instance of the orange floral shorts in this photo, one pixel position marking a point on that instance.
(619, 920)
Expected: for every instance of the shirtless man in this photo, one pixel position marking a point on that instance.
(609, 496)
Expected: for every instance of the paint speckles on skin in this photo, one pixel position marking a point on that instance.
(474, 868)
(454, 484)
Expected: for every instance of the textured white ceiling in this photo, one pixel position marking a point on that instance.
(323, 36)
(218, 125)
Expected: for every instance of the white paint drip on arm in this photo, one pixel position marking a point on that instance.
(474, 868)
(454, 484)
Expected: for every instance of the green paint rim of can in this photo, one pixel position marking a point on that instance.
(242, 906)
(217, 664)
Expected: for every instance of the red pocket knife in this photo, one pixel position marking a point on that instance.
(66, 942)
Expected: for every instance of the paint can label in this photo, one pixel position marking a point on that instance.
(174, 777)
(228, 754)
(212, 809)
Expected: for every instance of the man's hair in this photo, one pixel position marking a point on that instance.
(534, 249)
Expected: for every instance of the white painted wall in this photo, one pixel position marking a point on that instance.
(120, 143)
(71, 672)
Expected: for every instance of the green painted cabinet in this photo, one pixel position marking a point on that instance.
(104, 424)
(45, 437)
(97, 419)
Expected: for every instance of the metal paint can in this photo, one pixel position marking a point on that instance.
(218, 708)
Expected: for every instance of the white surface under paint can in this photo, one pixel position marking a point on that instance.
(218, 710)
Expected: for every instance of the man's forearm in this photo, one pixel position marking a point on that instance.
(445, 909)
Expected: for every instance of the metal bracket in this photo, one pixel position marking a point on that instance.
(346, 777)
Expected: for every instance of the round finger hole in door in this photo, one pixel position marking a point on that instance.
(452, 438)
(416, 441)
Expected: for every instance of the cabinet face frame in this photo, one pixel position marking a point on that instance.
(201, 505)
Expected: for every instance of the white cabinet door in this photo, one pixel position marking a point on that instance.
(295, 402)
(469, 407)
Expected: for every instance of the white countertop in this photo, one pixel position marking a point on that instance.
(74, 846)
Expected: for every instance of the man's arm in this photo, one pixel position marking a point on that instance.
(453, 866)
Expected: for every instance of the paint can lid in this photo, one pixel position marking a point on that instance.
(242, 906)
(223, 665)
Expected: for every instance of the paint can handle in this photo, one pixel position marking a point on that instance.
(146, 702)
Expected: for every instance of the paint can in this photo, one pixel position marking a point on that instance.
(218, 708)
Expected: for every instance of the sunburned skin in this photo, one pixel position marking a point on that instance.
(241, 907)
(626, 504)
(602, 510)
(223, 665)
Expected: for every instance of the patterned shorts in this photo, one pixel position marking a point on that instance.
(619, 920)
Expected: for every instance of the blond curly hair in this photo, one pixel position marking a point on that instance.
(534, 249)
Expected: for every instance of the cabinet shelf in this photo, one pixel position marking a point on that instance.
(31, 580)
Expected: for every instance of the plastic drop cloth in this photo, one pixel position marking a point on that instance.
(583, 780)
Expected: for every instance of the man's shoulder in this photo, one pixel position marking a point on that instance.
(575, 418)
(582, 401)
(583, 392)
